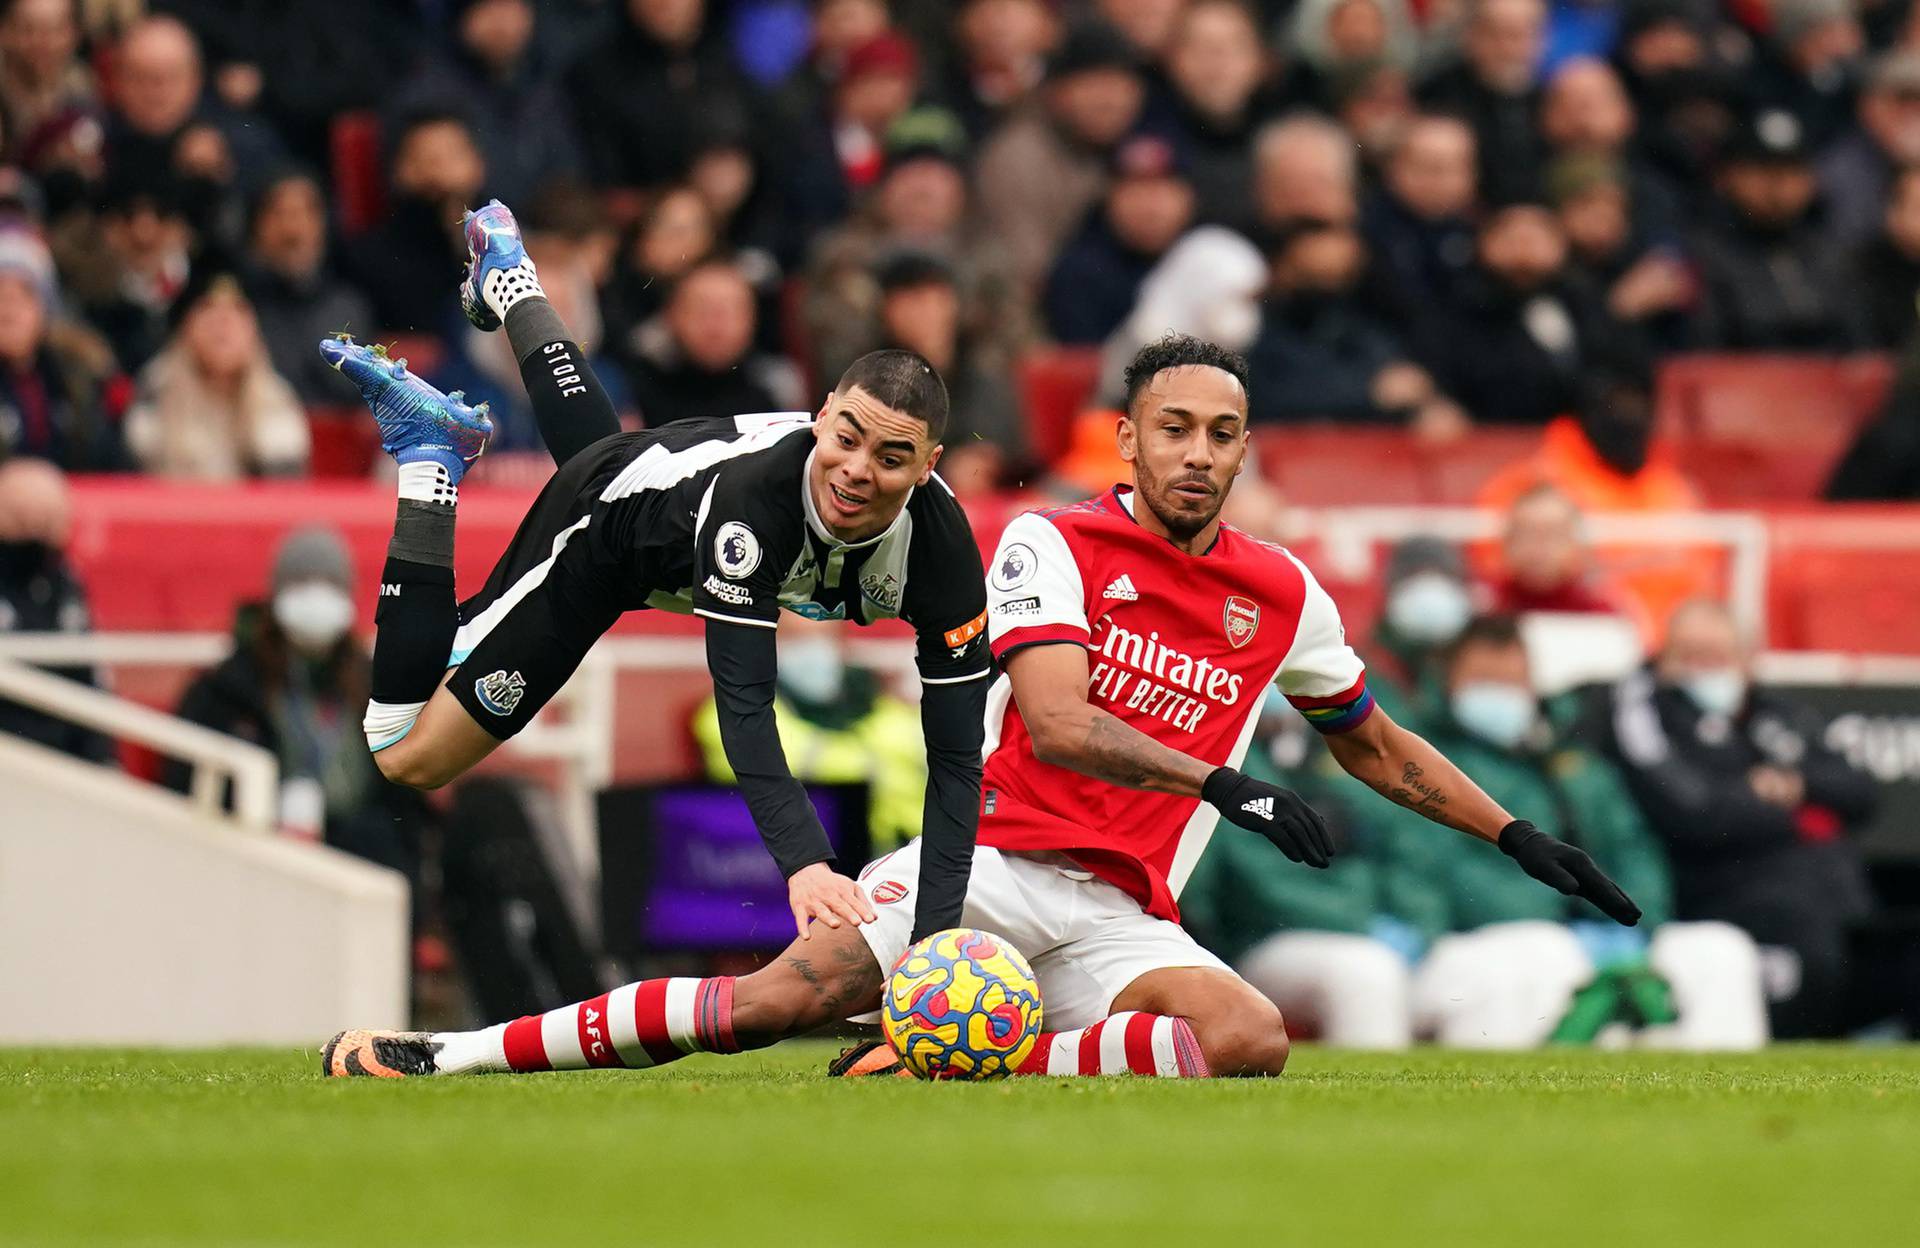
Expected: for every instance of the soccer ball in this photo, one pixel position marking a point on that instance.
(961, 1004)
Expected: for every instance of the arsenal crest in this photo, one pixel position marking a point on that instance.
(889, 891)
(1242, 619)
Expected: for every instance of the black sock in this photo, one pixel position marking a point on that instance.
(572, 410)
(417, 615)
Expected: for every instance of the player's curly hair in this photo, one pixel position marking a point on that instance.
(904, 382)
(1180, 351)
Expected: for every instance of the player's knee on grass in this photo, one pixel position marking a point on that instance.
(1251, 1040)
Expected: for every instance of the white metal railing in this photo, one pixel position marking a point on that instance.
(217, 759)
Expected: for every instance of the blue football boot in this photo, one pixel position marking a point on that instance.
(496, 256)
(417, 422)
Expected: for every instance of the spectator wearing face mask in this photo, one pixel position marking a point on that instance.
(1428, 599)
(295, 685)
(39, 593)
(839, 724)
(1511, 966)
(1754, 811)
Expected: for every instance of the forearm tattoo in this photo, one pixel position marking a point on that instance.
(1414, 791)
(1120, 754)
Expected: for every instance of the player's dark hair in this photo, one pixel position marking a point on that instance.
(1180, 351)
(1493, 628)
(904, 382)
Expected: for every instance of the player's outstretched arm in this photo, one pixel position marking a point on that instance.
(1404, 768)
(1050, 686)
(744, 660)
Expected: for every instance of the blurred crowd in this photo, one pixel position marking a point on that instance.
(1429, 215)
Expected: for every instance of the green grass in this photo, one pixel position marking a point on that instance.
(1786, 1147)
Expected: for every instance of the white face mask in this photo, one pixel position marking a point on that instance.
(1429, 609)
(812, 670)
(313, 614)
(1717, 690)
(1500, 714)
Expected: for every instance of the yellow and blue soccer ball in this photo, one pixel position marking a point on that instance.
(961, 1004)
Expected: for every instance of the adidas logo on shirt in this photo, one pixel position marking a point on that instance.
(1262, 806)
(1122, 588)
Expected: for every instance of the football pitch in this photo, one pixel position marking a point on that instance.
(1561, 1148)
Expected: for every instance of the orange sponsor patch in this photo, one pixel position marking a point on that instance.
(958, 637)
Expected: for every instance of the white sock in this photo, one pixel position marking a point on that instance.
(482, 1052)
(506, 287)
(425, 481)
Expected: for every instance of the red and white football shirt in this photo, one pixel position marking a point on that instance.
(1181, 647)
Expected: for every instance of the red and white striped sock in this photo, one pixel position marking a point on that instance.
(1127, 1043)
(638, 1025)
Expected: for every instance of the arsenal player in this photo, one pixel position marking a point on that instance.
(1137, 636)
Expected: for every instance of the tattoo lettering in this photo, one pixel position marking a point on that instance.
(1429, 796)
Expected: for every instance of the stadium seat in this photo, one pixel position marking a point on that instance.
(1845, 579)
(423, 353)
(359, 186)
(1459, 471)
(1055, 384)
(1767, 428)
(344, 442)
(1332, 466)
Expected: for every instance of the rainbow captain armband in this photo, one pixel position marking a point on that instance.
(1343, 712)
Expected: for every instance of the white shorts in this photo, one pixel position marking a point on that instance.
(1085, 939)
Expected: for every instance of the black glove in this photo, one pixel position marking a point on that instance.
(1275, 813)
(1567, 868)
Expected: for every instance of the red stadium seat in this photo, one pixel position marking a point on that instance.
(422, 352)
(1056, 383)
(359, 186)
(1846, 578)
(1461, 470)
(344, 442)
(1332, 466)
(1767, 428)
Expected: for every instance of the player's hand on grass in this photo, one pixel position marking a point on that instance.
(1567, 868)
(819, 892)
(1278, 814)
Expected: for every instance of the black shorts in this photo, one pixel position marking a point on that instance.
(558, 587)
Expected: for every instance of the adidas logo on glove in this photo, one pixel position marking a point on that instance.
(1262, 806)
(1122, 588)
